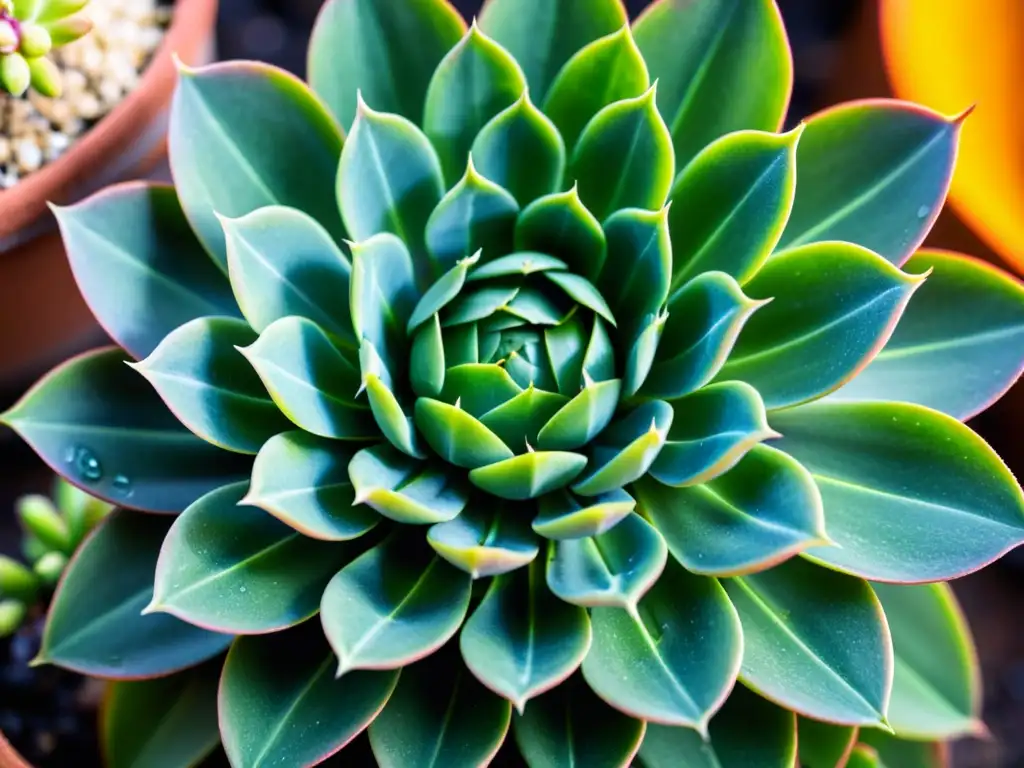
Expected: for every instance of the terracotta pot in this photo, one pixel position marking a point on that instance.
(9, 758)
(42, 317)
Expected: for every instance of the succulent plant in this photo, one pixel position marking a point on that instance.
(29, 30)
(520, 384)
(52, 529)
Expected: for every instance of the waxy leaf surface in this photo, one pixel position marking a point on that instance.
(815, 641)
(233, 567)
(673, 658)
(911, 495)
(280, 703)
(386, 51)
(103, 427)
(139, 266)
(874, 173)
(95, 626)
(959, 345)
(303, 481)
(238, 131)
(698, 51)
(393, 605)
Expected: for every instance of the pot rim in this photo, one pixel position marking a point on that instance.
(26, 202)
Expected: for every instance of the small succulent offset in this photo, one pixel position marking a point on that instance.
(29, 30)
(518, 386)
(52, 530)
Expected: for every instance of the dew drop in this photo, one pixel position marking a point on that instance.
(241, 589)
(123, 486)
(923, 211)
(86, 465)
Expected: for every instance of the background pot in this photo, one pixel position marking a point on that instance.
(42, 317)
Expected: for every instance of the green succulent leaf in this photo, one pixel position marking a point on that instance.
(388, 411)
(643, 352)
(232, 567)
(705, 317)
(475, 81)
(609, 69)
(863, 756)
(393, 605)
(238, 131)
(385, 51)
(518, 421)
(894, 752)
(521, 150)
(560, 225)
(569, 725)
(624, 158)
(476, 215)
(516, 264)
(280, 703)
(562, 516)
(824, 745)
(383, 291)
(762, 511)
(887, 472)
(730, 205)
(542, 36)
(442, 292)
(310, 380)
(626, 449)
(529, 475)
(748, 731)
(478, 387)
(959, 345)
(167, 722)
(834, 307)
(283, 263)
(671, 659)
(521, 640)
(712, 429)
(427, 360)
(403, 489)
(698, 51)
(936, 689)
(414, 731)
(792, 653)
(198, 371)
(458, 437)
(103, 427)
(94, 625)
(303, 481)
(389, 179)
(134, 241)
(615, 568)
(486, 542)
(635, 278)
(874, 173)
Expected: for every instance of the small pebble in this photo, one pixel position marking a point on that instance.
(98, 71)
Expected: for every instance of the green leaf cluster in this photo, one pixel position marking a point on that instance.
(52, 528)
(29, 30)
(521, 384)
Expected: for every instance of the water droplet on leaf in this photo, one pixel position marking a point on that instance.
(86, 465)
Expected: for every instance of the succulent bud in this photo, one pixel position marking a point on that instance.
(53, 10)
(8, 36)
(50, 566)
(12, 613)
(67, 31)
(46, 77)
(15, 579)
(35, 41)
(40, 518)
(14, 73)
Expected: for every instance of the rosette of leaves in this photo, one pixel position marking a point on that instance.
(52, 529)
(29, 30)
(519, 383)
